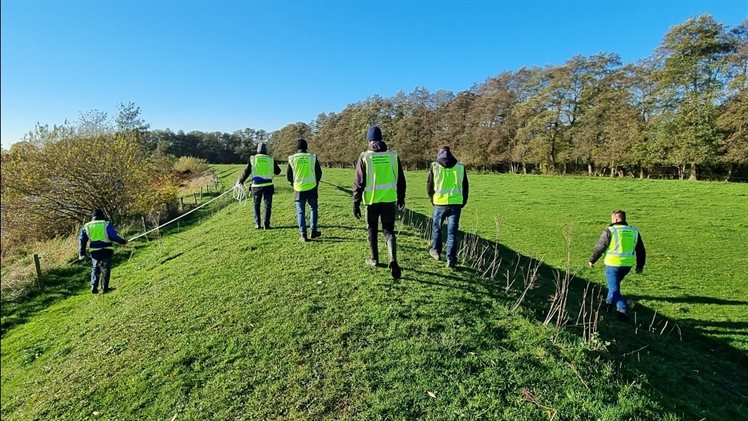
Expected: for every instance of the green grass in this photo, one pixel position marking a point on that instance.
(696, 235)
(219, 321)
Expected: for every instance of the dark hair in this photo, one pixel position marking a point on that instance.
(621, 214)
(445, 148)
(98, 214)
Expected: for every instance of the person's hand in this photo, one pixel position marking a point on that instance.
(357, 210)
(81, 257)
(639, 270)
(125, 242)
(591, 265)
(401, 206)
(237, 185)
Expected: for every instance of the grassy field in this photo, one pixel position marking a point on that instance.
(696, 236)
(218, 321)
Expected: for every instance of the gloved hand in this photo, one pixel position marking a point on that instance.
(357, 210)
(401, 206)
(238, 184)
(81, 256)
(639, 270)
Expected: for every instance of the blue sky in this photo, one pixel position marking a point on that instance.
(227, 65)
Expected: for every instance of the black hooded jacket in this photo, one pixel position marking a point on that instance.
(446, 160)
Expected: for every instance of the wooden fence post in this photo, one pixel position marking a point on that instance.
(38, 266)
(145, 229)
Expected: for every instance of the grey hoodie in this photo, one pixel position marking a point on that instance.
(446, 160)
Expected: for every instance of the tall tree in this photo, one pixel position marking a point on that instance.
(692, 76)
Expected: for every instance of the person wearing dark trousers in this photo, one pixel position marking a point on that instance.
(448, 188)
(622, 244)
(101, 235)
(304, 173)
(380, 184)
(261, 167)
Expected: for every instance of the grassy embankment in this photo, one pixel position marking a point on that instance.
(216, 320)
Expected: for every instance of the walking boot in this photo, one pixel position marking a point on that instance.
(371, 262)
(395, 270)
(316, 233)
(622, 317)
(434, 253)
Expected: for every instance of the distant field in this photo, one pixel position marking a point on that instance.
(216, 320)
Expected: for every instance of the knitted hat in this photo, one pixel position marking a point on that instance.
(301, 145)
(262, 148)
(98, 214)
(374, 134)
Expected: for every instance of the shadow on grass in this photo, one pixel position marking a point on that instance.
(58, 285)
(681, 363)
(74, 278)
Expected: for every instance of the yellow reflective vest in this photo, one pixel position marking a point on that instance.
(381, 177)
(262, 167)
(622, 247)
(96, 232)
(448, 184)
(303, 165)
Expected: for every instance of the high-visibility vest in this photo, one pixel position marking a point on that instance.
(381, 177)
(303, 165)
(96, 232)
(448, 184)
(622, 247)
(262, 167)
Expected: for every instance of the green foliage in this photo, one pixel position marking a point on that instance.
(51, 188)
(190, 166)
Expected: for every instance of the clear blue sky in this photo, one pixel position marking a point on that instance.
(227, 65)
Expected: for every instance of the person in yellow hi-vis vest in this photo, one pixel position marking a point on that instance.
(101, 235)
(262, 167)
(304, 173)
(447, 186)
(380, 184)
(622, 244)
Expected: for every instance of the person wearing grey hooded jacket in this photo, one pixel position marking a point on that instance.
(448, 188)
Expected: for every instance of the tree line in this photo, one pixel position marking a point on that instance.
(683, 112)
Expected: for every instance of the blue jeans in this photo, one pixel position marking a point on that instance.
(301, 213)
(101, 268)
(452, 214)
(614, 275)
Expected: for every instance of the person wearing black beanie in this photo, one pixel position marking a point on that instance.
(380, 184)
(304, 174)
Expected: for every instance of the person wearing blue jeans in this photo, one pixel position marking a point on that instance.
(301, 215)
(622, 245)
(304, 174)
(447, 186)
(451, 214)
(102, 236)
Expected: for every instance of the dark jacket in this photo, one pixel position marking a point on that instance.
(359, 182)
(446, 160)
(248, 171)
(604, 241)
(297, 195)
(98, 254)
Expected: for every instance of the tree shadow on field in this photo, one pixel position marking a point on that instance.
(681, 363)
